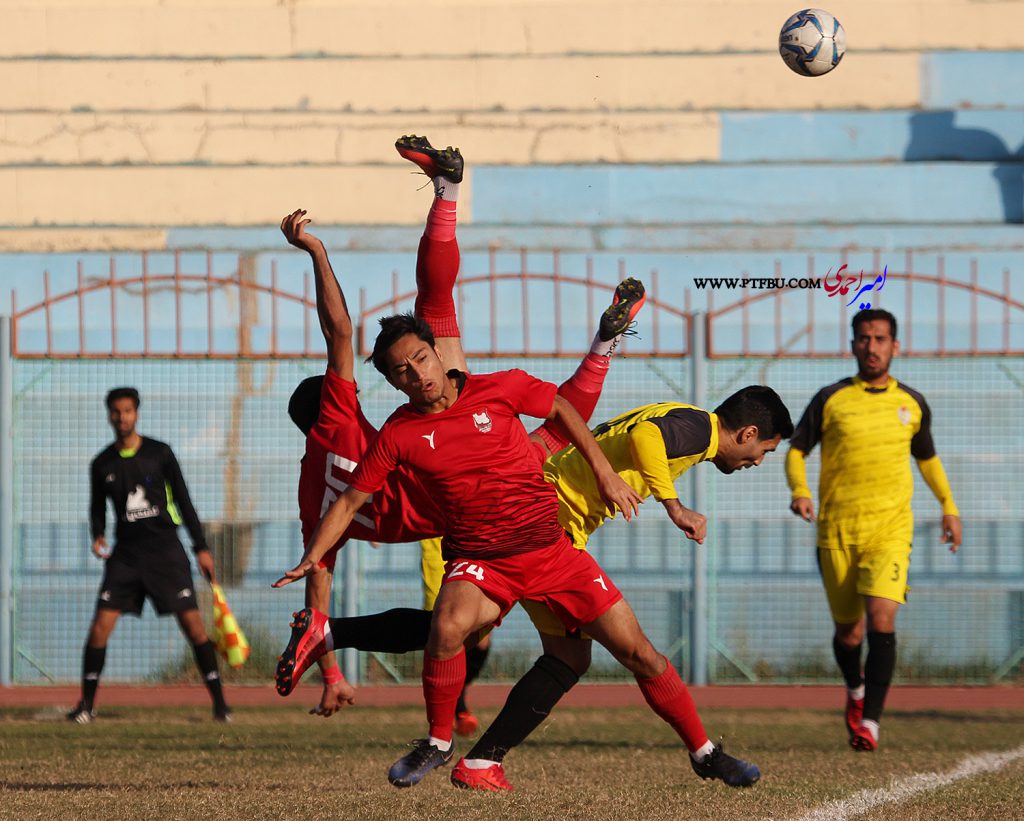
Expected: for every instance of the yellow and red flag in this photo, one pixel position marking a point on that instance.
(228, 637)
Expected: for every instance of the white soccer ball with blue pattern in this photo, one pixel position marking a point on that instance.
(812, 42)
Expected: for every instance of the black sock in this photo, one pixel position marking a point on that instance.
(393, 631)
(529, 703)
(848, 659)
(92, 667)
(878, 670)
(206, 661)
(475, 658)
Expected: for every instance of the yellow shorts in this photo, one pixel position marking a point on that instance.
(432, 564)
(850, 573)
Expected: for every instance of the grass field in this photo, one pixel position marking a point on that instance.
(593, 764)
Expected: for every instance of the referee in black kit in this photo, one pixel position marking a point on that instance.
(142, 479)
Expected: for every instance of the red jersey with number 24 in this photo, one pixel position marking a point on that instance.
(476, 461)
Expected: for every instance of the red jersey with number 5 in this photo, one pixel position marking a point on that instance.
(477, 462)
(400, 512)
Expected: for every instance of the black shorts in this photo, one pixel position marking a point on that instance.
(163, 574)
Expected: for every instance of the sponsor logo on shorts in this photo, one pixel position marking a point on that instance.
(482, 421)
(105, 595)
(110, 478)
(185, 593)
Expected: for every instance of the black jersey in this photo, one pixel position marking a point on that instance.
(148, 493)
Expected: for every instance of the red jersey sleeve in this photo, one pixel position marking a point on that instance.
(377, 462)
(338, 402)
(530, 396)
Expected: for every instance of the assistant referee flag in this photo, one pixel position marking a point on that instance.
(227, 635)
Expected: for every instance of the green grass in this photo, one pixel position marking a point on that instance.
(592, 764)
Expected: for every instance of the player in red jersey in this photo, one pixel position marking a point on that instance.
(460, 435)
(327, 410)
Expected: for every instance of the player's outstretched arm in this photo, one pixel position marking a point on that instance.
(339, 516)
(796, 476)
(935, 477)
(331, 308)
(615, 491)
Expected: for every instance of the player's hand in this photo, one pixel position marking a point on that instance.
(692, 523)
(99, 548)
(804, 508)
(300, 571)
(334, 697)
(204, 558)
(294, 229)
(617, 494)
(952, 532)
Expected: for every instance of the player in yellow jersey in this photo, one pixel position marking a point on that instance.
(869, 426)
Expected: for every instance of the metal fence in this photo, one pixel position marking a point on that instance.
(747, 606)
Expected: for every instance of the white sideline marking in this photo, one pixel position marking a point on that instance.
(902, 789)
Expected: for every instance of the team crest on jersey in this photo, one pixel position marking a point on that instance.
(482, 421)
(138, 506)
(904, 414)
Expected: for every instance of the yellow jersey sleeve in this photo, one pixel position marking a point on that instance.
(796, 474)
(935, 476)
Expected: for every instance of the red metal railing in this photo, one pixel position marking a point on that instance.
(656, 311)
(786, 338)
(806, 326)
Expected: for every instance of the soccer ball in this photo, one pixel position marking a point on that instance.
(812, 42)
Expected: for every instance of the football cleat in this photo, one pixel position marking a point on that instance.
(223, 715)
(854, 714)
(81, 714)
(306, 645)
(491, 780)
(413, 767)
(466, 723)
(618, 317)
(733, 771)
(862, 740)
(434, 162)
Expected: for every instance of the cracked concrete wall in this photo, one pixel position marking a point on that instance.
(120, 118)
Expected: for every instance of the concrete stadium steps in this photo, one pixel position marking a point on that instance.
(583, 83)
(22, 244)
(954, 193)
(140, 196)
(615, 195)
(519, 138)
(186, 28)
(857, 136)
(331, 138)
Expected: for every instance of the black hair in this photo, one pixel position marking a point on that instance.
(756, 405)
(393, 328)
(304, 404)
(122, 393)
(870, 315)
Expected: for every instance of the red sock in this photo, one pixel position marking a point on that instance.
(582, 390)
(668, 697)
(437, 266)
(441, 220)
(442, 683)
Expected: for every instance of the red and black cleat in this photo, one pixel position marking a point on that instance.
(434, 162)
(306, 645)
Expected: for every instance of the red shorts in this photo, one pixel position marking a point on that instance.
(568, 581)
